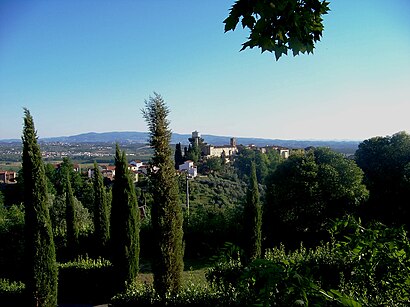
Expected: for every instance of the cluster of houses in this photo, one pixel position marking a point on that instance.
(136, 168)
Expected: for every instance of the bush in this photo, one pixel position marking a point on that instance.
(11, 292)
(264, 281)
(208, 227)
(360, 267)
(12, 241)
(190, 295)
(85, 280)
(379, 261)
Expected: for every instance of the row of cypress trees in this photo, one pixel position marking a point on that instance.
(41, 277)
(40, 255)
(123, 231)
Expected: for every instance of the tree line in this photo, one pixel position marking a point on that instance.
(121, 233)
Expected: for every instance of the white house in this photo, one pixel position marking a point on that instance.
(135, 165)
(189, 168)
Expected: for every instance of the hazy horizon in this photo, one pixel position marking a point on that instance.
(188, 134)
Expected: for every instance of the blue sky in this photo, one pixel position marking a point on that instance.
(84, 65)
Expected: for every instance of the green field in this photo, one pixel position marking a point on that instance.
(10, 166)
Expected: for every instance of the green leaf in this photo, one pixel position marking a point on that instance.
(248, 21)
(230, 23)
(279, 50)
(349, 302)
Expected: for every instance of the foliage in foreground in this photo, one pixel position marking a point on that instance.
(145, 295)
(279, 26)
(361, 267)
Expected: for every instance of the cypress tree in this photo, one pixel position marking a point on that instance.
(65, 167)
(253, 218)
(124, 224)
(101, 214)
(41, 270)
(166, 213)
(179, 159)
(71, 220)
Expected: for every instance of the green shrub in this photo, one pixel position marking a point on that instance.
(12, 241)
(360, 267)
(189, 295)
(379, 260)
(275, 281)
(85, 280)
(11, 292)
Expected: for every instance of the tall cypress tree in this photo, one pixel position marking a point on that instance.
(101, 214)
(71, 220)
(166, 213)
(253, 218)
(124, 224)
(41, 277)
(179, 159)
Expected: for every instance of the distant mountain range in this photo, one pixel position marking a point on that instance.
(142, 137)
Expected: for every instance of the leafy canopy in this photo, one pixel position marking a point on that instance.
(279, 25)
(307, 190)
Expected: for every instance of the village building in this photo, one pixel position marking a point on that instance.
(8, 177)
(135, 165)
(108, 171)
(218, 151)
(282, 151)
(229, 151)
(189, 168)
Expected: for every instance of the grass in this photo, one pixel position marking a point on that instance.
(196, 277)
(194, 272)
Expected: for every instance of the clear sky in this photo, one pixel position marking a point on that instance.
(88, 65)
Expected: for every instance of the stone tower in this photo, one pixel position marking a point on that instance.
(233, 142)
(196, 136)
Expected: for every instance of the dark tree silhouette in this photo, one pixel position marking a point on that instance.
(253, 218)
(125, 224)
(41, 266)
(179, 159)
(72, 225)
(101, 214)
